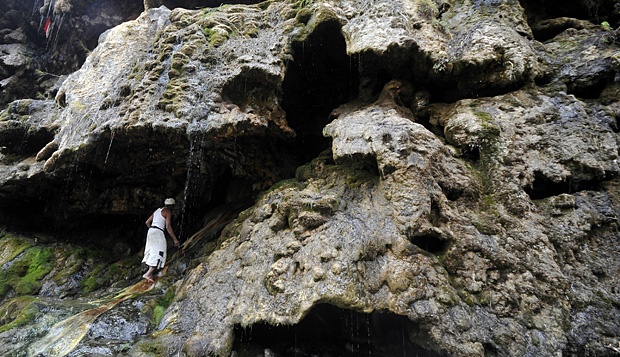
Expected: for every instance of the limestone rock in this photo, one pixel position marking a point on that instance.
(449, 168)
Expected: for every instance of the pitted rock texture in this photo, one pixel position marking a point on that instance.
(468, 181)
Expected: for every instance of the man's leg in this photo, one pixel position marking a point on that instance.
(149, 274)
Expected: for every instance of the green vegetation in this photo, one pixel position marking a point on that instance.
(24, 275)
(153, 348)
(17, 312)
(12, 246)
(103, 274)
(161, 306)
(94, 279)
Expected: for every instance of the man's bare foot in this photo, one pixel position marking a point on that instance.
(149, 278)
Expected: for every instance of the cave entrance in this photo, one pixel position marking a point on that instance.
(331, 331)
(320, 78)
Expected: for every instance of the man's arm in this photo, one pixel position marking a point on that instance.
(149, 221)
(168, 216)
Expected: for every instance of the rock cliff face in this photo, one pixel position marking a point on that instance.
(417, 177)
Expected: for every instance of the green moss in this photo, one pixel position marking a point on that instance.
(17, 312)
(94, 279)
(105, 274)
(468, 298)
(12, 246)
(25, 274)
(304, 3)
(5, 115)
(152, 348)
(303, 16)
(71, 262)
(78, 106)
(156, 308)
(427, 9)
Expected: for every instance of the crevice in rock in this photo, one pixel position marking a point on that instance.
(251, 89)
(548, 18)
(591, 89)
(331, 331)
(320, 78)
(429, 240)
(543, 187)
(430, 243)
(470, 152)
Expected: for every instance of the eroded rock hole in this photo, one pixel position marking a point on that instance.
(331, 331)
(590, 89)
(543, 187)
(251, 90)
(471, 152)
(320, 78)
(430, 243)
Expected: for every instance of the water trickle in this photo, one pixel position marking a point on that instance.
(65, 335)
(109, 147)
(194, 158)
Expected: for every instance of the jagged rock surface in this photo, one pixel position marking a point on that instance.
(469, 185)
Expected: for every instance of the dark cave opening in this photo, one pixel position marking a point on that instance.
(595, 11)
(543, 187)
(591, 89)
(430, 243)
(225, 192)
(331, 331)
(320, 78)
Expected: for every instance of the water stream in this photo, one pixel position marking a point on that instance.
(65, 335)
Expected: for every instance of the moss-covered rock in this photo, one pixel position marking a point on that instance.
(25, 273)
(17, 312)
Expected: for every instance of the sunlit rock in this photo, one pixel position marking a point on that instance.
(355, 177)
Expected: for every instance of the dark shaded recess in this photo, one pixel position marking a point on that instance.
(408, 64)
(490, 349)
(320, 78)
(79, 200)
(251, 86)
(470, 152)
(596, 11)
(404, 64)
(429, 240)
(592, 88)
(23, 141)
(231, 171)
(430, 243)
(224, 192)
(253, 89)
(543, 187)
(331, 331)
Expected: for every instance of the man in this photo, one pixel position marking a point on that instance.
(155, 251)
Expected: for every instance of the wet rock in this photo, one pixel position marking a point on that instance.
(469, 185)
